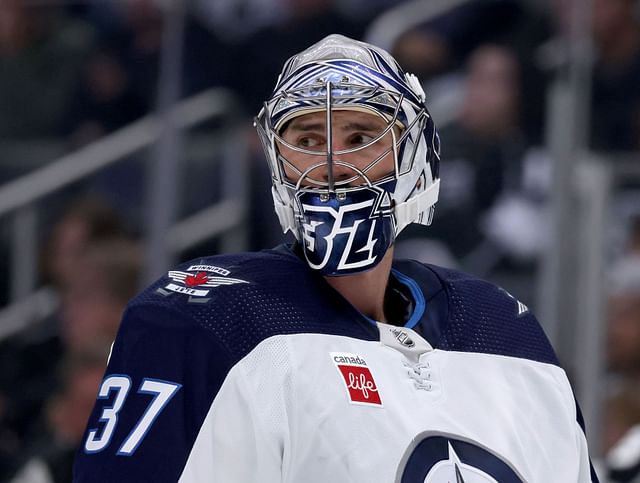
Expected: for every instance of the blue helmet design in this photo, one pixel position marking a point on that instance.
(346, 224)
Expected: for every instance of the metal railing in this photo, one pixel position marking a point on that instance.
(19, 198)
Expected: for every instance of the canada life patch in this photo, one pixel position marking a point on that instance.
(357, 378)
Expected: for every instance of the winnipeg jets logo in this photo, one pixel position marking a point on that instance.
(198, 279)
(339, 228)
(434, 458)
(454, 470)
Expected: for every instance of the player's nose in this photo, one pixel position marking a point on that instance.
(341, 171)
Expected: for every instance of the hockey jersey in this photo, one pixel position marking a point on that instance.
(250, 368)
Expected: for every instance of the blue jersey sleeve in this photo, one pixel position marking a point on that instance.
(163, 374)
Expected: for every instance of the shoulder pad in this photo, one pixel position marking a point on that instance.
(248, 297)
(482, 317)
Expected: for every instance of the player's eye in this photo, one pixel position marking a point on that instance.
(309, 141)
(358, 139)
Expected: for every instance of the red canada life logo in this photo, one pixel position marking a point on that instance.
(358, 380)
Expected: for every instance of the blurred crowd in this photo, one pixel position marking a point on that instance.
(71, 74)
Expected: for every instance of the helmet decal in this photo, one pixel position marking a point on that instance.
(347, 233)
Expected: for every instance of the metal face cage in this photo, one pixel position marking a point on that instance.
(329, 97)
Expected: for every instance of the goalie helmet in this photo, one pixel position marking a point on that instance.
(347, 223)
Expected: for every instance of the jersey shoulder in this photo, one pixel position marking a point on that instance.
(475, 315)
(244, 298)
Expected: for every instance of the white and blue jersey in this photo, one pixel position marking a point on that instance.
(250, 368)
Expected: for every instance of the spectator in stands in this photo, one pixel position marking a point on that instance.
(306, 22)
(104, 278)
(622, 435)
(615, 119)
(41, 56)
(424, 51)
(443, 45)
(134, 30)
(235, 20)
(485, 150)
(97, 273)
(615, 100)
(86, 220)
(622, 409)
(67, 411)
(120, 78)
(623, 347)
(135, 33)
(105, 99)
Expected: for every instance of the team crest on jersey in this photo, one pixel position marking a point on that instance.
(444, 459)
(198, 280)
(358, 380)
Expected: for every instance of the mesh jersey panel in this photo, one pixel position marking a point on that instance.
(282, 297)
(483, 318)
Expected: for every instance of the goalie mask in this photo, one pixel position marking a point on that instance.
(353, 153)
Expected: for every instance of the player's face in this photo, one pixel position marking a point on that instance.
(350, 129)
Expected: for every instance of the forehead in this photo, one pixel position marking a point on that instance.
(341, 119)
